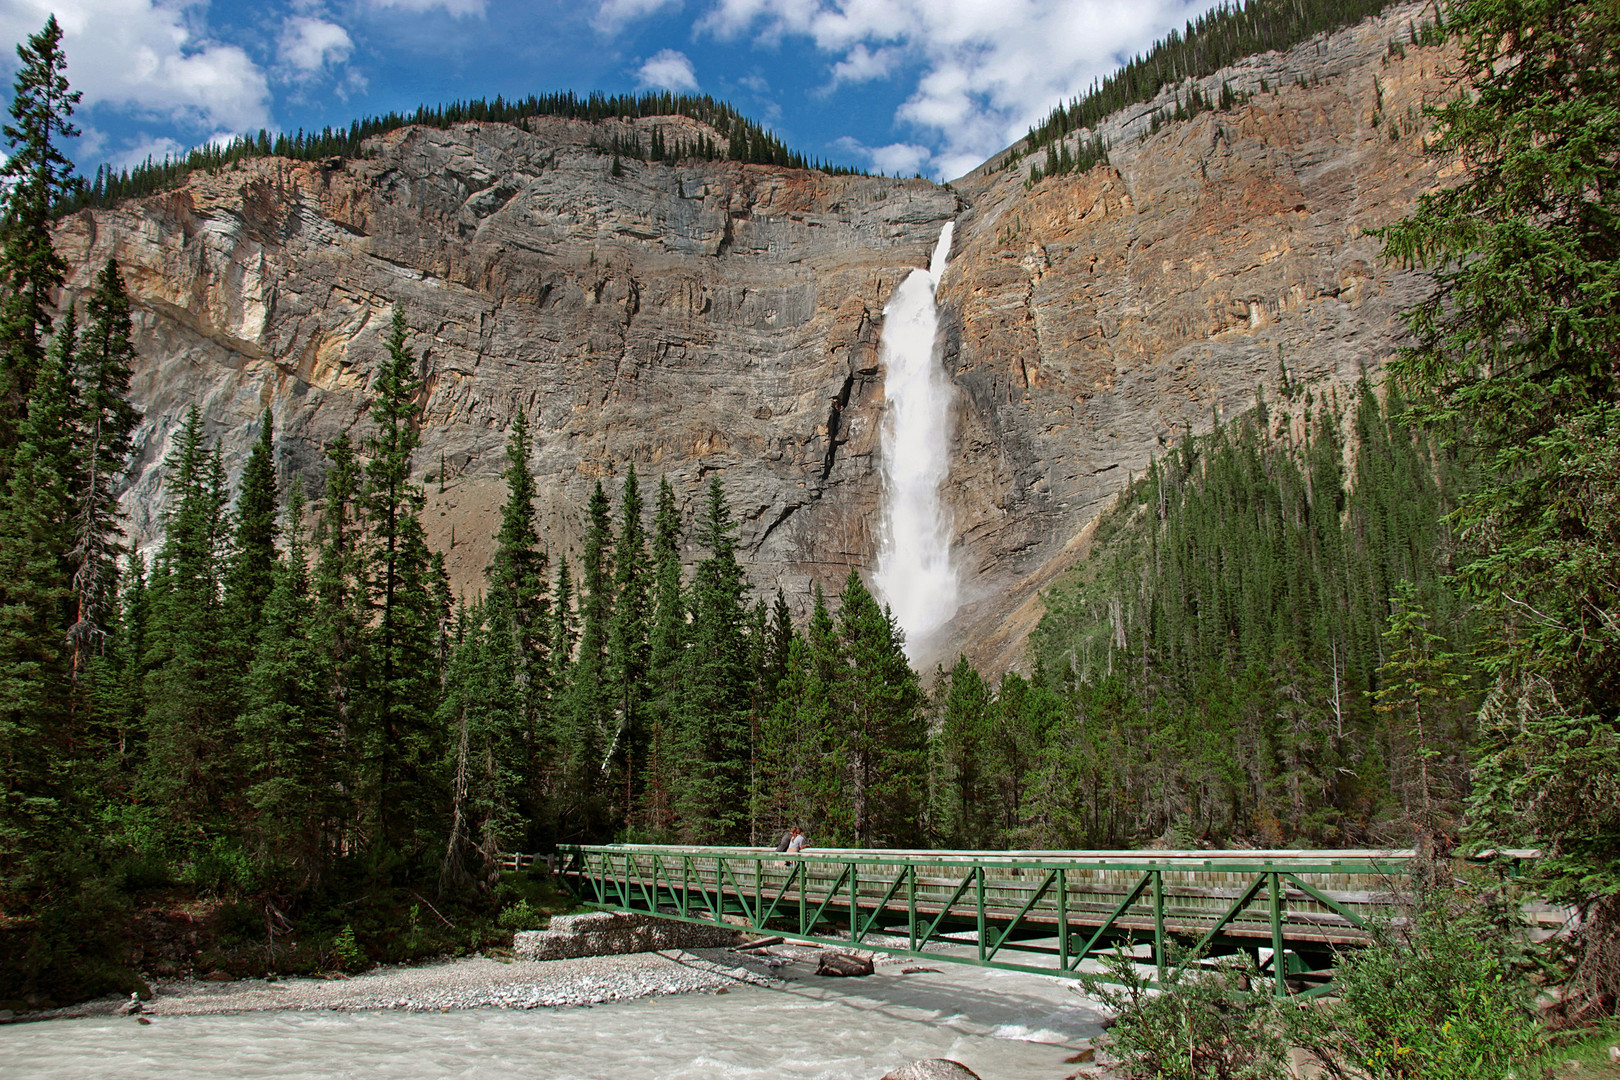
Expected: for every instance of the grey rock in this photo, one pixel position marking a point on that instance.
(932, 1069)
(613, 934)
(704, 319)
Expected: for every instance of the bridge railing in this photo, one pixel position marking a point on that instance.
(1291, 909)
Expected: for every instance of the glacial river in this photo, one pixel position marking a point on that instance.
(1003, 1025)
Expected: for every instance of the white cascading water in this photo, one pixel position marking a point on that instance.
(916, 576)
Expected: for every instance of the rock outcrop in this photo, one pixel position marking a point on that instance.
(609, 933)
(703, 319)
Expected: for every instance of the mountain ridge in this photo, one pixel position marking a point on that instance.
(703, 317)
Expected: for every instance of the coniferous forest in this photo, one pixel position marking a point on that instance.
(1381, 616)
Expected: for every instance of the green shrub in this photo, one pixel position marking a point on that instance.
(346, 952)
(1205, 1025)
(522, 916)
(1441, 999)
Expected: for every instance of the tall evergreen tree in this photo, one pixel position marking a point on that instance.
(37, 175)
(37, 740)
(189, 687)
(628, 642)
(587, 710)
(959, 799)
(1515, 355)
(884, 726)
(666, 642)
(402, 689)
(253, 562)
(105, 428)
(288, 731)
(520, 580)
(711, 723)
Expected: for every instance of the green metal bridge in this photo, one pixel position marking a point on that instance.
(1038, 911)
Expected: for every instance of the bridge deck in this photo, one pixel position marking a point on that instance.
(1293, 910)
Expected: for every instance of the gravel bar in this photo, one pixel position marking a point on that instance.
(472, 983)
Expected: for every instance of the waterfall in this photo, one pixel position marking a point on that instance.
(915, 574)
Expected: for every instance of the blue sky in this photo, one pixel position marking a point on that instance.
(930, 86)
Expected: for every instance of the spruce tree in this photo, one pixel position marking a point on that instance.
(288, 731)
(1514, 354)
(628, 644)
(959, 801)
(482, 713)
(712, 716)
(252, 572)
(37, 739)
(884, 728)
(105, 427)
(666, 644)
(37, 175)
(340, 617)
(403, 633)
(587, 710)
(519, 575)
(190, 681)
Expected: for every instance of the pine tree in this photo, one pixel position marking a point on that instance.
(628, 644)
(884, 728)
(959, 800)
(189, 686)
(103, 363)
(711, 721)
(1514, 354)
(666, 645)
(37, 176)
(252, 571)
(404, 633)
(340, 618)
(37, 740)
(482, 712)
(519, 575)
(588, 707)
(287, 728)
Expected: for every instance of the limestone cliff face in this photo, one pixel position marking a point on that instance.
(1093, 320)
(695, 320)
(718, 318)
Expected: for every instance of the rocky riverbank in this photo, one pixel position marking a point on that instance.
(472, 983)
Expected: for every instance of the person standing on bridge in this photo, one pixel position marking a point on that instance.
(795, 840)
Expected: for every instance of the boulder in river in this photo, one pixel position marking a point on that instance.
(932, 1069)
(843, 964)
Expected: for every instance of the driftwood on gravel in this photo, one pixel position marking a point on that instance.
(843, 964)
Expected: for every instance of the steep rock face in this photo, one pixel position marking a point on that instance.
(1092, 320)
(718, 318)
(697, 319)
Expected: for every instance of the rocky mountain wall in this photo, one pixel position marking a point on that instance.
(1093, 320)
(696, 319)
(718, 318)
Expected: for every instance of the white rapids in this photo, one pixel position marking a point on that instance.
(916, 575)
(1002, 1025)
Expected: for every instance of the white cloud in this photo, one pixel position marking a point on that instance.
(899, 159)
(864, 65)
(460, 9)
(614, 15)
(989, 68)
(668, 70)
(151, 56)
(149, 146)
(309, 44)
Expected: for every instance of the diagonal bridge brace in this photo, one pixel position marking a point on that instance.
(1091, 942)
(1006, 931)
